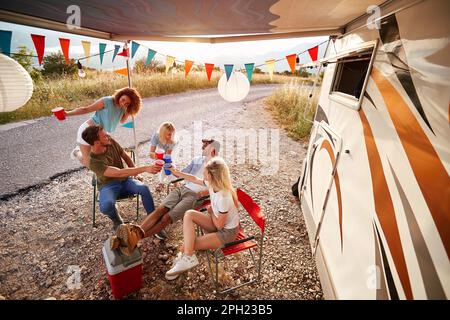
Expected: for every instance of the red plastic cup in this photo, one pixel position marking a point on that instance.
(59, 113)
(159, 154)
(159, 163)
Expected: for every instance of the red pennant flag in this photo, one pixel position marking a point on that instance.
(313, 52)
(125, 53)
(39, 44)
(65, 48)
(187, 66)
(209, 68)
(291, 60)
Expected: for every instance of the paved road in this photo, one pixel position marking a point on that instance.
(34, 152)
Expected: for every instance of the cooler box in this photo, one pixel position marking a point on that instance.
(124, 272)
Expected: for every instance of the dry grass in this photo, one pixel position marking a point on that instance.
(293, 109)
(72, 92)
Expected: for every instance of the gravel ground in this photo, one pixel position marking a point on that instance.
(47, 229)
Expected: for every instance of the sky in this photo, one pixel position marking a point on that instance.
(237, 53)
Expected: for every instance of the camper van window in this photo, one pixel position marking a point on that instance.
(350, 75)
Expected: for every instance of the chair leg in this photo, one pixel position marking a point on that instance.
(94, 200)
(137, 207)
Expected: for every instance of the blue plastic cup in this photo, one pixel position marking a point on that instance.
(167, 164)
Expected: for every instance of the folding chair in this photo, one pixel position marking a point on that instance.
(119, 199)
(241, 243)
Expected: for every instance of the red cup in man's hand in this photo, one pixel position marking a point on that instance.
(59, 113)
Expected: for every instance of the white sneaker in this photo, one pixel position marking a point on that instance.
(182, 265)
(178, 257)
(74, 153)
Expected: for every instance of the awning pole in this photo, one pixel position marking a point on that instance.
(132, 117)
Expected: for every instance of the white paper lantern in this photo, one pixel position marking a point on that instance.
(235, 89)
(16, 85)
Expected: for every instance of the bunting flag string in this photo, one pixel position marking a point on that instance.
(150, 56)
(87, 50)
(116, 51)
(65, 43)
(228, 70)
(5, 42)
(39, 45)
(101, 49)
(187, 67)
(209, 69)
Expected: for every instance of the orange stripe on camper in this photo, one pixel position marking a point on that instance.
(327, 146)
(384, 207)
(432, 177)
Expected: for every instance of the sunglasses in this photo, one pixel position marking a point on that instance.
(207, 141)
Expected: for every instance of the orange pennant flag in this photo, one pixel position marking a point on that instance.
(187, 66)
(65, 48)
(291, 60)
(123, 72)
(209, 68)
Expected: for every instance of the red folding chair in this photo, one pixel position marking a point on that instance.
(242, 242)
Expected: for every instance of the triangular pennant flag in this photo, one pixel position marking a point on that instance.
(87, 50)
(187, 66)
(150, 56)
(116, 50)
(270, 66)
(101, 48)
(123, 72)
(209, 68)
(39, 44)
(291, 60)
(125, 53)
(65, 43)
(169, 62)
(313, 52)
(128, 125)
(134, 48)
(249, 68)
(5, 42)
(228, 70)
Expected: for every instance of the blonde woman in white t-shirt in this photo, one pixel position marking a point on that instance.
(221, 221)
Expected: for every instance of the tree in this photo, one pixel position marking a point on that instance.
(24, 57)
(140, 66)
(55, 65)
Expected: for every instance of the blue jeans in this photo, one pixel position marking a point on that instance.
(110, 192)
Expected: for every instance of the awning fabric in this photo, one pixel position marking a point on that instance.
(210, 21)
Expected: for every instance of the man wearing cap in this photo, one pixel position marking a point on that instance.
(180, 200)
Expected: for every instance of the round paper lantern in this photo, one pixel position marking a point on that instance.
(16, 85)
(235, 89)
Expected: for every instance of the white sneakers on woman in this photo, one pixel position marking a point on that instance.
(182, 263)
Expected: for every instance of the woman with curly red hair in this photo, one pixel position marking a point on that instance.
(109, 111)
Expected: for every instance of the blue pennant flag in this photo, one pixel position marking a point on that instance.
(101, 47)
(150, 56)
(228, 70)
(249, 69)
(5, 42)
(134, 48)
(128, 125)
(116, 51)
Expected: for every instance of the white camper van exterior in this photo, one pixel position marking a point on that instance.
(375, 186)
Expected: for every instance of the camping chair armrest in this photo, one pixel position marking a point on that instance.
(229, 244)
(203, 198)
(176, 180)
